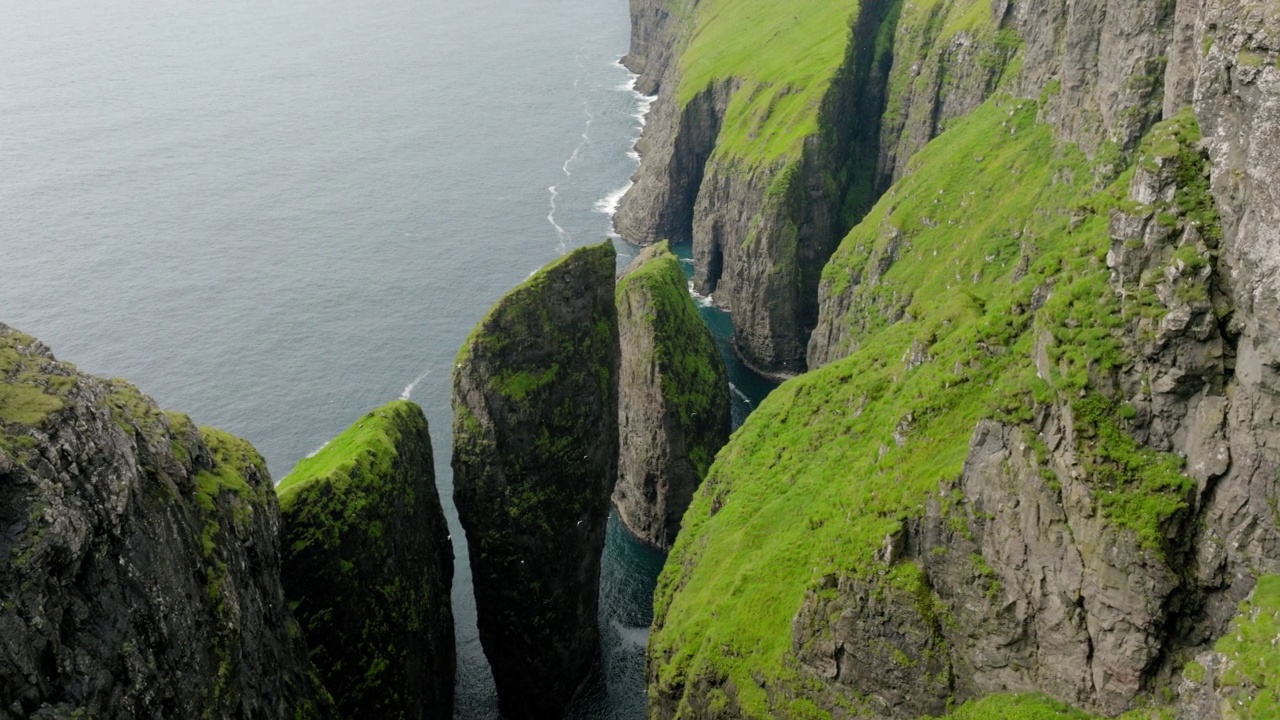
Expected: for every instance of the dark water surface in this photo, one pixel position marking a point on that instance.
(276, 215)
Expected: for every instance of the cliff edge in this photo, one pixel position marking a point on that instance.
(141, 573)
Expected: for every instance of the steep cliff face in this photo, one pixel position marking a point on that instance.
(368, 567)
(1042, 456)
(673, 397)
(535, 458)
(141, 572)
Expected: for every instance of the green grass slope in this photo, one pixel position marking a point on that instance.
(837, 459)
(786, 55)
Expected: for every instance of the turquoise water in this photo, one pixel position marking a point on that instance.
(275, 215)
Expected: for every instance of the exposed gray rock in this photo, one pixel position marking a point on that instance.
(141, 573)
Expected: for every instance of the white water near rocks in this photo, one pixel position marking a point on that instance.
(275, 215)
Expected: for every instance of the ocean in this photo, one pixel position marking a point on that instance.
(275, 215)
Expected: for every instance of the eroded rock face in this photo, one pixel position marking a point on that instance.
(673, 397)
(535, 459)
(368, 567)
(141, 571)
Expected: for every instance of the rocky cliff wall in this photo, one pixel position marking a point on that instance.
(673, 397)
(368, 567)
(535, 458)
(1040, 465)
(141, 573)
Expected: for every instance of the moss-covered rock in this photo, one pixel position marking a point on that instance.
(1239, 678)
(368, 567)
(673, 397)
(140, 570)
(535, 458)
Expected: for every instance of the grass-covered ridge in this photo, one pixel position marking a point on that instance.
(31, 386)
(369, 445)
(756, 41)
(1037, 707)
(786, 55)
(838, 459)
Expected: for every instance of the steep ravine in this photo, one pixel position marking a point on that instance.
(763, 211)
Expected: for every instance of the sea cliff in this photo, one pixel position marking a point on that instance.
(1034, 460)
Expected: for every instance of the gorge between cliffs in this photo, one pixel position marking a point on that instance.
(1017, 268)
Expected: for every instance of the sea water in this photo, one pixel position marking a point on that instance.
(276, 215)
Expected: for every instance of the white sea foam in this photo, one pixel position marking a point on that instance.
(561, 233)
(609, 203)
(408, 389)
(700, 299)
(632, 636)
(564, 236)
(741, 395)
(316, 452)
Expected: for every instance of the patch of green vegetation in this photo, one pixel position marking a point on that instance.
(368, 446)
(31, 386)
(1137, 488)
(777, 105)
(1038, 707)
(1250, 59)
(993, 217)
(780, 93)
(694, 380)
(234, 459)
(1251, 679)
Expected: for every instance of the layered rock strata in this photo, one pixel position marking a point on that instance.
(673, 397)
(141, 572)
(368, 567)
(535, 459)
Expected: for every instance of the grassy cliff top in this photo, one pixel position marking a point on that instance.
(503, 335)
(836, 460)
(31, 385)
(759, 42)
(786, 56)
(369, 444)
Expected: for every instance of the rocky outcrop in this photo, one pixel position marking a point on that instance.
(535, 459)
(141, 573)
(673, 397)
(368, 567)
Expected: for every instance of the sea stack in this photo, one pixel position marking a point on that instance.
(673, 397)
(368, 567)
(535, 458)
